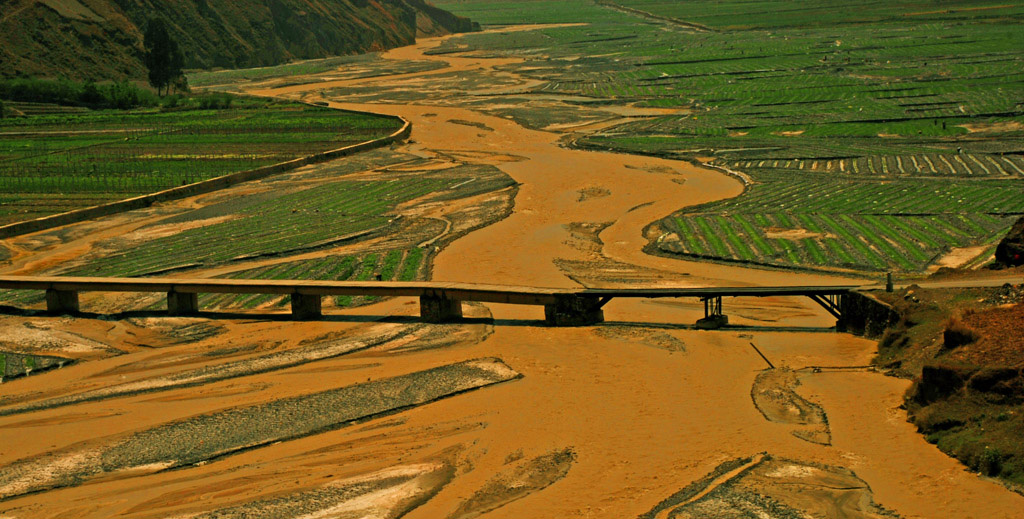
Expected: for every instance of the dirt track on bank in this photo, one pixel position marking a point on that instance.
(606, 421)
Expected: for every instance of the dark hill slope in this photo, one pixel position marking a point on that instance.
(102, 39)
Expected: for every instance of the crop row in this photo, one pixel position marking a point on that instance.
(126, 153)
(857, 241)
(830, 13)
(393, 265)
(267, 224)
(928, 164)
(917, 197)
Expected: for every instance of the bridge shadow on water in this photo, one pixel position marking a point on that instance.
(396, 319)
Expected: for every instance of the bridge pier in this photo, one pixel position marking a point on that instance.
(713, 317)
(61, 301)
(306, 306)
(179, 303)
(439, 309)
(573, 310)
(835, 304)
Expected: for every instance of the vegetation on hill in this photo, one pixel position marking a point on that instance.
(103, 39)
(163, 57)
(964, 348)
(64, 92)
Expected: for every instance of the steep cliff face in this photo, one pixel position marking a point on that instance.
(102, 39)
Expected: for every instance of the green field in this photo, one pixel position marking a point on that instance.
(392, 265)
(901, 226)
(822, 98)
(53, 162)
(266, 224)
(351, 202)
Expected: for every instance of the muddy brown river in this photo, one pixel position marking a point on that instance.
(642, 416)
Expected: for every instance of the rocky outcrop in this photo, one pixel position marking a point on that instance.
(1010, 251)
(865, 315)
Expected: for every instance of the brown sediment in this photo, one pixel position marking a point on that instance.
(520, 480)
(958, 257)
(793, 234)
(774, 394)
(200, 438)
(642, 416)
(1000, 127)
(765, 486)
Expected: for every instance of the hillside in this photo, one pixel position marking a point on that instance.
(102, 39)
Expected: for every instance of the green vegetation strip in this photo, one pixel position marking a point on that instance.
(395, 265)
(270, 224)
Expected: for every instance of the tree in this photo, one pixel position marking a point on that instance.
(163, 58)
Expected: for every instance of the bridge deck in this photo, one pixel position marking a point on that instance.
(459, 291)
(439, 301)
(718, 291)
(473, 291)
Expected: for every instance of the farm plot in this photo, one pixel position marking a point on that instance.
(810, 99)
(391, 265)
(267, 224)
(900, 226)
(921, 165)
(362, 218)
(793, 86)
(57, 162)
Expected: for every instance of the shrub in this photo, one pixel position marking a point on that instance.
(221, 101)
(957, 334)
(171, 101)
(990, 463)
(65, 92)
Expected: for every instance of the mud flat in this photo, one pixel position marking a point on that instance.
(641, 416)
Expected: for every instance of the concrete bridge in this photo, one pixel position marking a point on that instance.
(439, 301)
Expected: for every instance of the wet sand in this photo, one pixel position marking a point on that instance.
(636, 416)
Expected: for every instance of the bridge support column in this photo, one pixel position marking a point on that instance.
(436, 309)
(572, 310)
(179, 303)
(713, 316)
(306, 307)
(61, 301)
(835, 304)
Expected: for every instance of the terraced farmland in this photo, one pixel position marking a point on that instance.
(391, 265)
(56, 162)
(922, 165)
(900, 226)
(341, 220)
(811, 101)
